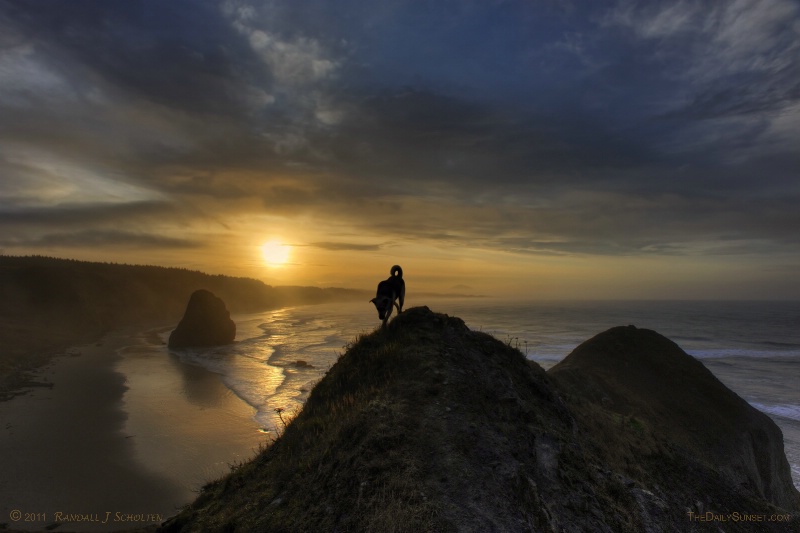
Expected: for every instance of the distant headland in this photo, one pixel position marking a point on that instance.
(48, 304)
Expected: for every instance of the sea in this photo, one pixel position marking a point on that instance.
(753, 347)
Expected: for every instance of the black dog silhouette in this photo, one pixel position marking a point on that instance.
(390, 290)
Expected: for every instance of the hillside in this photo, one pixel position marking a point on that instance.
(638, 378)
(428, 426)
(47, 304)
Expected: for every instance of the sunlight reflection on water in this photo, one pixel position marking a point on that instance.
(182, 421)
(279, 355)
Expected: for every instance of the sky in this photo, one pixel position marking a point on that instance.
(539, 150)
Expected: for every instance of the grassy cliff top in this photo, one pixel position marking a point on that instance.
(426, 425)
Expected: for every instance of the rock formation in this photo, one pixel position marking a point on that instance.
(427, 426)
(641, 375)
(206, 322)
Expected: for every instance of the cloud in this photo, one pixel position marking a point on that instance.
(724, 77)
(344, 246)
(67, 215)
(26, 80)
(647, 129)
(179, 55)
(103, 239)
(292, 63)
(45, 177)
(739, 54)
(588, 223)
(301, 69)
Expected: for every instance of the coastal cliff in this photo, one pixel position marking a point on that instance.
(426, 425)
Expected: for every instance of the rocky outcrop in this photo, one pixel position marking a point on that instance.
(643, 376)
(427, 426)
(206, 322)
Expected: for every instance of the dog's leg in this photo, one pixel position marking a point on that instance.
(389, 312)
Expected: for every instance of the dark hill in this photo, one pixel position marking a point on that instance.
(641, 375)
(428, 426)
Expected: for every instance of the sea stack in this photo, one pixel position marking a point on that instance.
(206, 322)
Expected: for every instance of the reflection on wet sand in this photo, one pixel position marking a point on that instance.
(183, 421)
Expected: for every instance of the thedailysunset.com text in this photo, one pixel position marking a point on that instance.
(709, 516)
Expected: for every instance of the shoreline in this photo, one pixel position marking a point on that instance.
(91, 442)
(30, 346)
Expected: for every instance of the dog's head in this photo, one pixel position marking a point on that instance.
(383, 305)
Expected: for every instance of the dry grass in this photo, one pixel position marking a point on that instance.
(388, 440)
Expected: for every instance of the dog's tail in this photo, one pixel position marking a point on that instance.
(397, 270)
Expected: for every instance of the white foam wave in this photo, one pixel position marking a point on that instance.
(211, 361)
(789, 411)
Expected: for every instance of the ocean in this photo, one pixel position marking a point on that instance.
(752, 347)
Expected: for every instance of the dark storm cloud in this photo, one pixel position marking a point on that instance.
(422, 135)
(181, 54)
(557, 128)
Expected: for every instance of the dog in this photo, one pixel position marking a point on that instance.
(390, 292)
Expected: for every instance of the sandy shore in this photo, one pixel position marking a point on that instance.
(124, 437)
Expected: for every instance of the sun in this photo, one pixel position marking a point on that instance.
(275, 253)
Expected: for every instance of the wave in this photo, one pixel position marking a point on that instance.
(720, 353)
(790, 411)
(212, 359)
(792, 345)
(684, 338)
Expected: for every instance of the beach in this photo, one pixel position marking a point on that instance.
(117, 435)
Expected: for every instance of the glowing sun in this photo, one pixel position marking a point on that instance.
(275, 253)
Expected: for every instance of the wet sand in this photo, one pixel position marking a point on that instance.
(124, 438)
